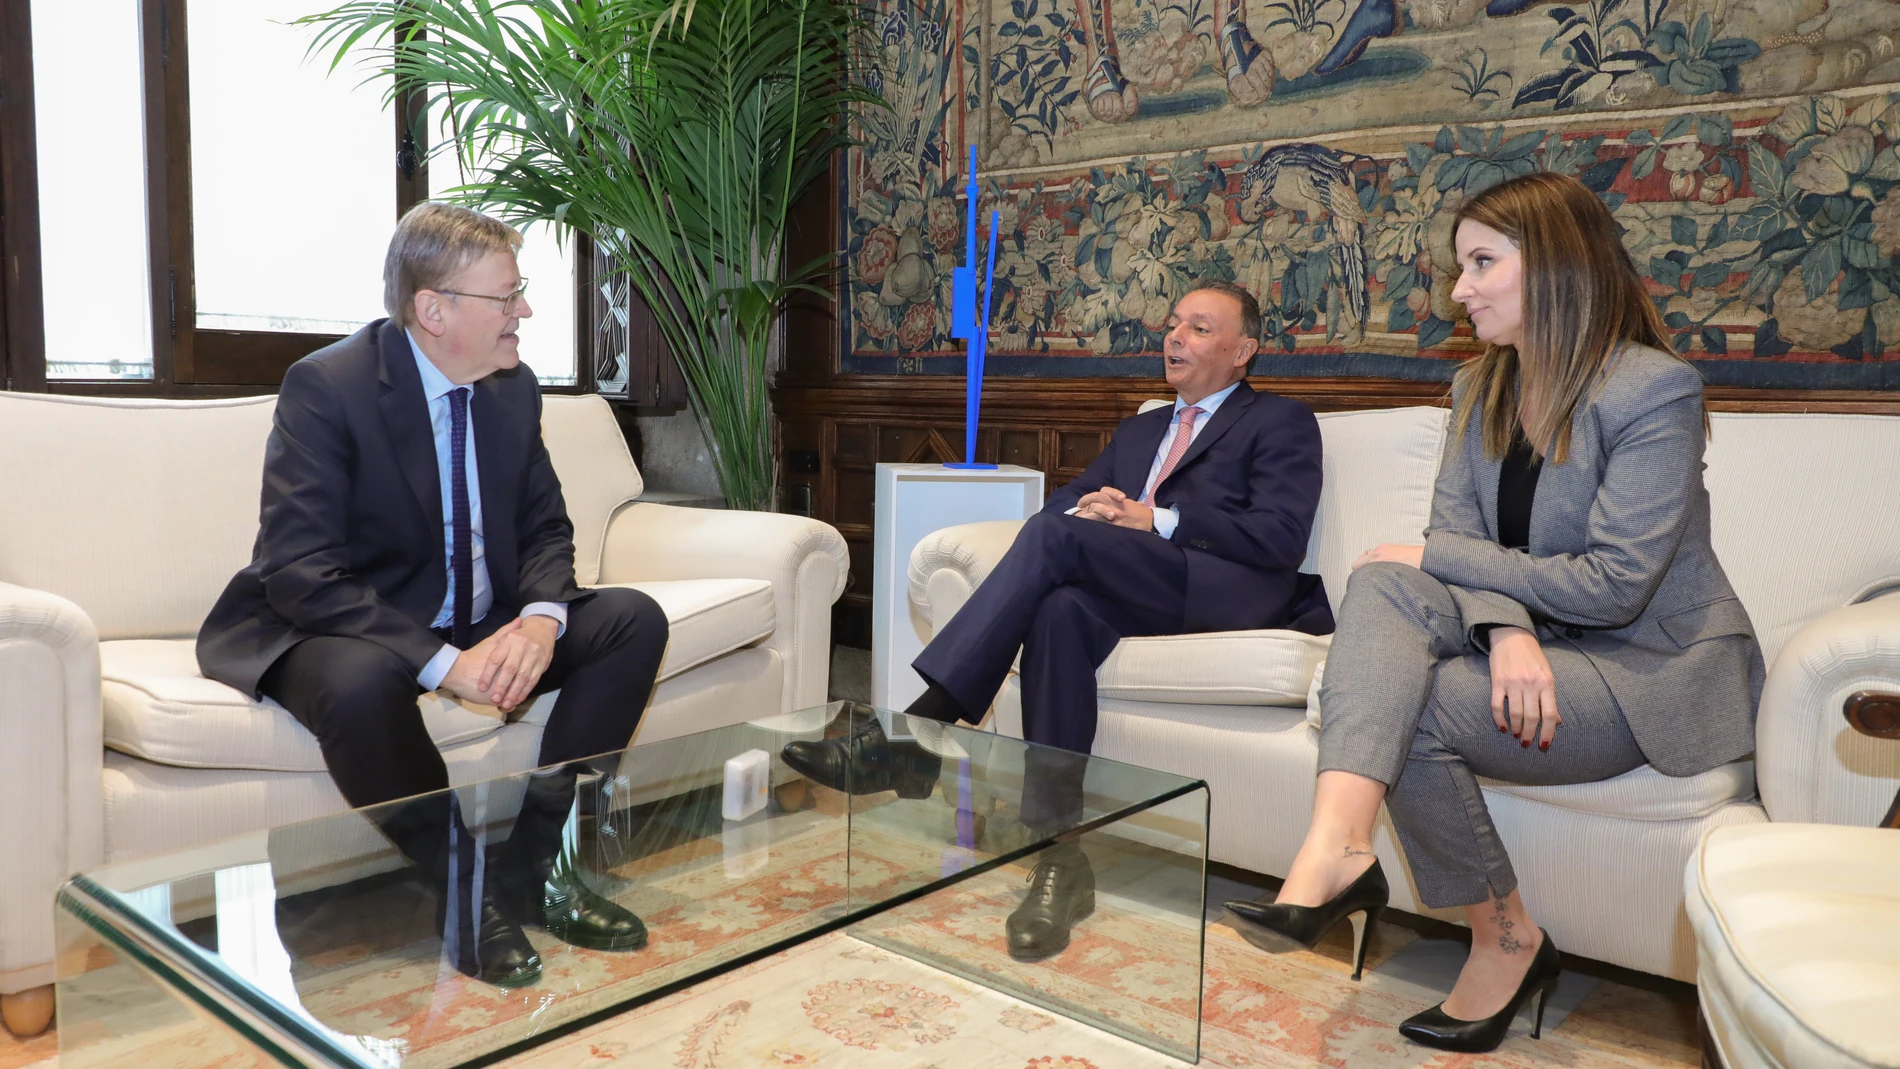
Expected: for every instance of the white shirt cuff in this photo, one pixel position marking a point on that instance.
(1166, 520)
(438, 667)
(552, 609)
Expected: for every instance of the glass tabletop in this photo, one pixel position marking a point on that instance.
(320, 943)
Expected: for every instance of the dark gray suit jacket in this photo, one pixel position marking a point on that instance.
(1620, 565)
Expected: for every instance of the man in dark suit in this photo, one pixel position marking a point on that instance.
(412, 538)
(1194, 518)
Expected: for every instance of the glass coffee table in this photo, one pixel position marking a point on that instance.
(315, 944)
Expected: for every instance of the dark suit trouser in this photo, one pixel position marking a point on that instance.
(1407, 701)
(359, 698)
(1066, 592)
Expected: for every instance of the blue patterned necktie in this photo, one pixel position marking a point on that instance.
(461, 563)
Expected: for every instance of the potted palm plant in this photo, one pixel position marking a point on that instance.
(676, 134)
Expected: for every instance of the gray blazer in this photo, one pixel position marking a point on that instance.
(1620, 565)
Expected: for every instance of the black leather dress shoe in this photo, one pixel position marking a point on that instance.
(479, 938)
(1061, 894)
(481, 941)
(865, 763)
(541, 882)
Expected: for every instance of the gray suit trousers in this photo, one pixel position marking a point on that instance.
(1407, 701)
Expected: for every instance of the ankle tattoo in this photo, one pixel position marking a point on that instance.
(1355, 852)
(1507, 937)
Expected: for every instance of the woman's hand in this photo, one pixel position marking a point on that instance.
(1394, 552)
(1523, 692)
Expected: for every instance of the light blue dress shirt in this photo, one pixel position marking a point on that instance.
(436, 388)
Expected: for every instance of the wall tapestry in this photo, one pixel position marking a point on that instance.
(1315, 150)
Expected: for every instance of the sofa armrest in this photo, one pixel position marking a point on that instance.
(947, 565)
(50, 771)
(803, 559)
(1811, 764)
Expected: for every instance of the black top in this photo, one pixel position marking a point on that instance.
(1517, 485)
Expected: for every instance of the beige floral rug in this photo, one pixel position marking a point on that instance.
(845, 1001)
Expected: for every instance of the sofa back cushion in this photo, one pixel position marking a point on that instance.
(1379, 470)
(596, 471)
(1805, 513)
(140, 511)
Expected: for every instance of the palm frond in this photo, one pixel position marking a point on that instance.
(677, 134)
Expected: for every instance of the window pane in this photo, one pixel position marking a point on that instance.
(547, 337)
(90, 126)
(293, 175)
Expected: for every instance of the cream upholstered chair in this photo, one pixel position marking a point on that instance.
(1798, 935)
(121, 521)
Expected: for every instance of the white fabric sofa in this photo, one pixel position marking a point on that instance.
(121, 521)
(1807, 524)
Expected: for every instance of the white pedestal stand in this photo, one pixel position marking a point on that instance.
(912, 501)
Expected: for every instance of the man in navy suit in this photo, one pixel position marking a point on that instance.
(1194, 518)
(413, 537)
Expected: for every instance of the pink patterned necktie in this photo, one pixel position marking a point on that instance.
(1182, 439)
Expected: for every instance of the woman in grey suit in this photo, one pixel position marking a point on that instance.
(1565, 621)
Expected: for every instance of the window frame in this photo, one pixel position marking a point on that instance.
(22, 309)
(188, 357)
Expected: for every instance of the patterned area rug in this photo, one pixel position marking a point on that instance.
(841, 1001)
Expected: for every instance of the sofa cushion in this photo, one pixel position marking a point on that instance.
(99, 512)
(138, 511)
(1798, 936)
(1769, 491)
(1644, 793)
(597, 473)
(708, 617)
(1219, 668)
(158, 706)
(1378, 467)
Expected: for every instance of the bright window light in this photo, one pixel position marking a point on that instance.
(293, 174)
(90, 128)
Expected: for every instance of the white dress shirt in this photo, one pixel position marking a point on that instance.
(436, 388)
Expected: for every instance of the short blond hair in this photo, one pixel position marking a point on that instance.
(433, 243)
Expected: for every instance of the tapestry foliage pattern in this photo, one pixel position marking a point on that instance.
(1315, 151)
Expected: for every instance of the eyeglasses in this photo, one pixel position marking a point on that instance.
(508, 303)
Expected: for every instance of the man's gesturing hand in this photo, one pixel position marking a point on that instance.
(504, 667)
(1113, 506)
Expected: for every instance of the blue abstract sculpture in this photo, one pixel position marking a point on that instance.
(964, 321)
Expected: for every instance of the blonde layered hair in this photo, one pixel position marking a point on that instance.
(1583, 301)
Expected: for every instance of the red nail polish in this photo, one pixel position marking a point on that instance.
(1504, 729)
(1527, 744)
(1545, 745)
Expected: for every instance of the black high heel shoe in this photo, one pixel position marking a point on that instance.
(1435, 1028)
(1271, 926)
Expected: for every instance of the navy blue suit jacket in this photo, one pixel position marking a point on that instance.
(1247, 490)
(350, 535)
